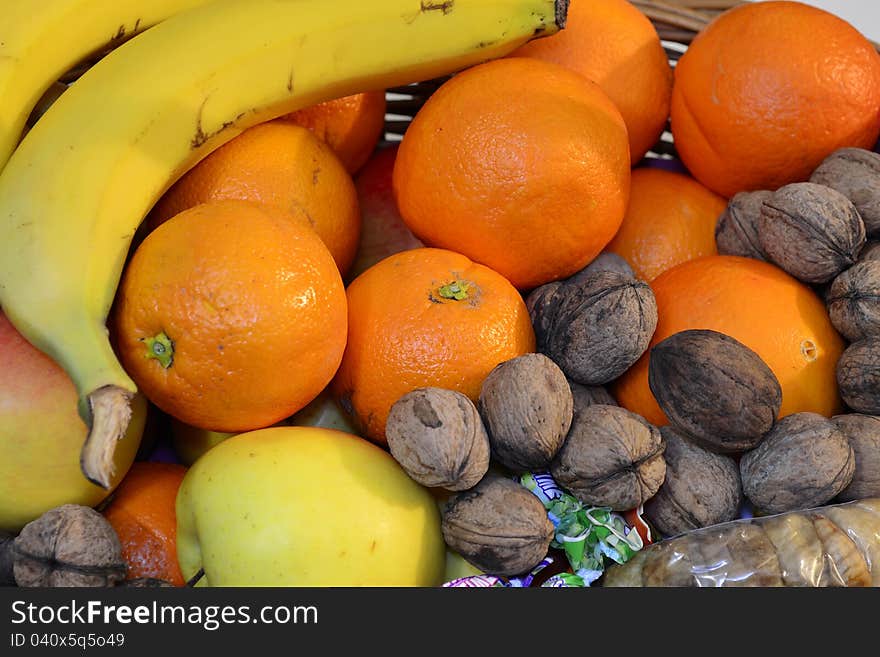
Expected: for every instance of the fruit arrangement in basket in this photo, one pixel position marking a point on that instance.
(607, 314)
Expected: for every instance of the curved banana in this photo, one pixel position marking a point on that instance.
(82, 180)
(40, 41)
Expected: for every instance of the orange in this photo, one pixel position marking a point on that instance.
(230, 316)
(351, 126)
(279, 164)
(775, 315)
(142, 511)
(519, 164)
(767, 90)
(425, 317)
(670, 219)
(616, 46)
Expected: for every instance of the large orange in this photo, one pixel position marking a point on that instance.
(777, 316)
(280, 164)
(425, 317)
(615, 45)
(351, 125)
(142, 511)
(521, 165)
(670, 219)
(767, 90)
(230, 316)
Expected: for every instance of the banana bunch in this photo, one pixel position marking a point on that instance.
(83, 179)
(40, 42)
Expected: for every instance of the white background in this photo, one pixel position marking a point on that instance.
(863, 14)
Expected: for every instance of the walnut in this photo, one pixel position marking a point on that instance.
(736, 232)
(611, 457)
(606, 261)
(858, 376)
(526, 405)
(583, 396)
(438, 438)
(871, 251)
(69, 545)
(863, 433)
(811, 231)
(701, 488)
(854, 301)
(855, 173)
(803, 462)
(145, 583)
(714, 389)
(594, 329)
(498, 526)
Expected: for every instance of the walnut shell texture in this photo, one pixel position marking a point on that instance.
(863, 433)
(804, 462)
(70, 545)
(701, 488)
(854, 301)
(603, 262)
(584, 396)
(498, 526)
(526, 405)
(736, 232)
(855, 173)
(871, 251)
(714, 389)
(858, 376)
(594, 329)
(611, 457)
(811, 231)
(437, 436)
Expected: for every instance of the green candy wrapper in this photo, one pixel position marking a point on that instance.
(589, 536)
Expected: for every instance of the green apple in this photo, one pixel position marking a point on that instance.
(306, 506)
(324, 411)
(190, 442)
(457, 567)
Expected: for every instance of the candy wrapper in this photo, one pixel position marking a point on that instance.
(489, 581)
(590, 537)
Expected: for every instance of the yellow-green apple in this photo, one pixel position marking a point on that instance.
(306, 506)
(383, 232)
(457, 567)
(190, 442)
(41, 435)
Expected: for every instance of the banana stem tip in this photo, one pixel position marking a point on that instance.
(110, 409)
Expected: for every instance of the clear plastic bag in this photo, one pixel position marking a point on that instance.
(837, 545)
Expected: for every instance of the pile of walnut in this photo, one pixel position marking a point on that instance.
(540, 412)
(70, 545)
(723, 444)
(825, 232)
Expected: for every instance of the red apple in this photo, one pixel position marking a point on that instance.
(41, 435)
(383, 232)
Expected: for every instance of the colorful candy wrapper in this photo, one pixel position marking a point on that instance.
(587, 535)
(489, 581)
(580, 579)
(475, 582)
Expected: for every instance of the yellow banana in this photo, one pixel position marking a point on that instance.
(82, 180)
(40, 41)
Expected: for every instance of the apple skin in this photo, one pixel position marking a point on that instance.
(383, 231)
(41, 435)
(189, 442)
(306, 506)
